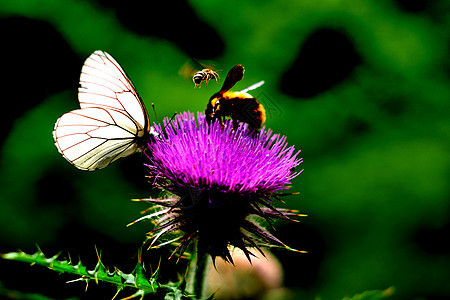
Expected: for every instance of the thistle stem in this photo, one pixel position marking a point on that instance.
(196, 275)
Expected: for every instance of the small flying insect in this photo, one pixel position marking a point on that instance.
(239, 106)
(204, 75)
(199, 72)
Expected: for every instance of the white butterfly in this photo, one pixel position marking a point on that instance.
(112, 122)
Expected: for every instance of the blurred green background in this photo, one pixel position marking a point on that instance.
(361, 87)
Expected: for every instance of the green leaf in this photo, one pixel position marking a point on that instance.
(373, 295)
(136, 280)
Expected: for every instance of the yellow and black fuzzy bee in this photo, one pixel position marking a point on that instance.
(239, 106)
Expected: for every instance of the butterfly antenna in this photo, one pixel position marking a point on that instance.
(154, 112)
(164, 131)
(171, 119)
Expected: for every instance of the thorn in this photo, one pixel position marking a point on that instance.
(98, 254)
(138, 293)
(150, 266)
(132, 223)
(295, 250)
(146, 210)
(75, 280)
(140, 256)
(54, 257)
(117, 293)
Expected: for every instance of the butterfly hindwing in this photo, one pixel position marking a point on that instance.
(91, 139)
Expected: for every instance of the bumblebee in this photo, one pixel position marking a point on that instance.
(239, 106)
(204, 75)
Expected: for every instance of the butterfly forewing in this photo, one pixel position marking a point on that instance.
(111, 120)
(103, 83)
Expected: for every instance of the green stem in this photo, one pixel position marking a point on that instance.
(196, 275)
(200, 277)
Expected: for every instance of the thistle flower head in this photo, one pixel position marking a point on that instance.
(224, 181)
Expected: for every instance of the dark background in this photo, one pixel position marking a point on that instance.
(361, 87)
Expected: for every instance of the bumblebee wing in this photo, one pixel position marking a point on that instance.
(253, 87)
(234, 75)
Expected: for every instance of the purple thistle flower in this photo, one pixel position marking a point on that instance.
(224, 181)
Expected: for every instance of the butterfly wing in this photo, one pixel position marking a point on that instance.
(111, 119)
(91, 138)
(103, 83)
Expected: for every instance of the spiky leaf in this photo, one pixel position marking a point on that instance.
(136, 280)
